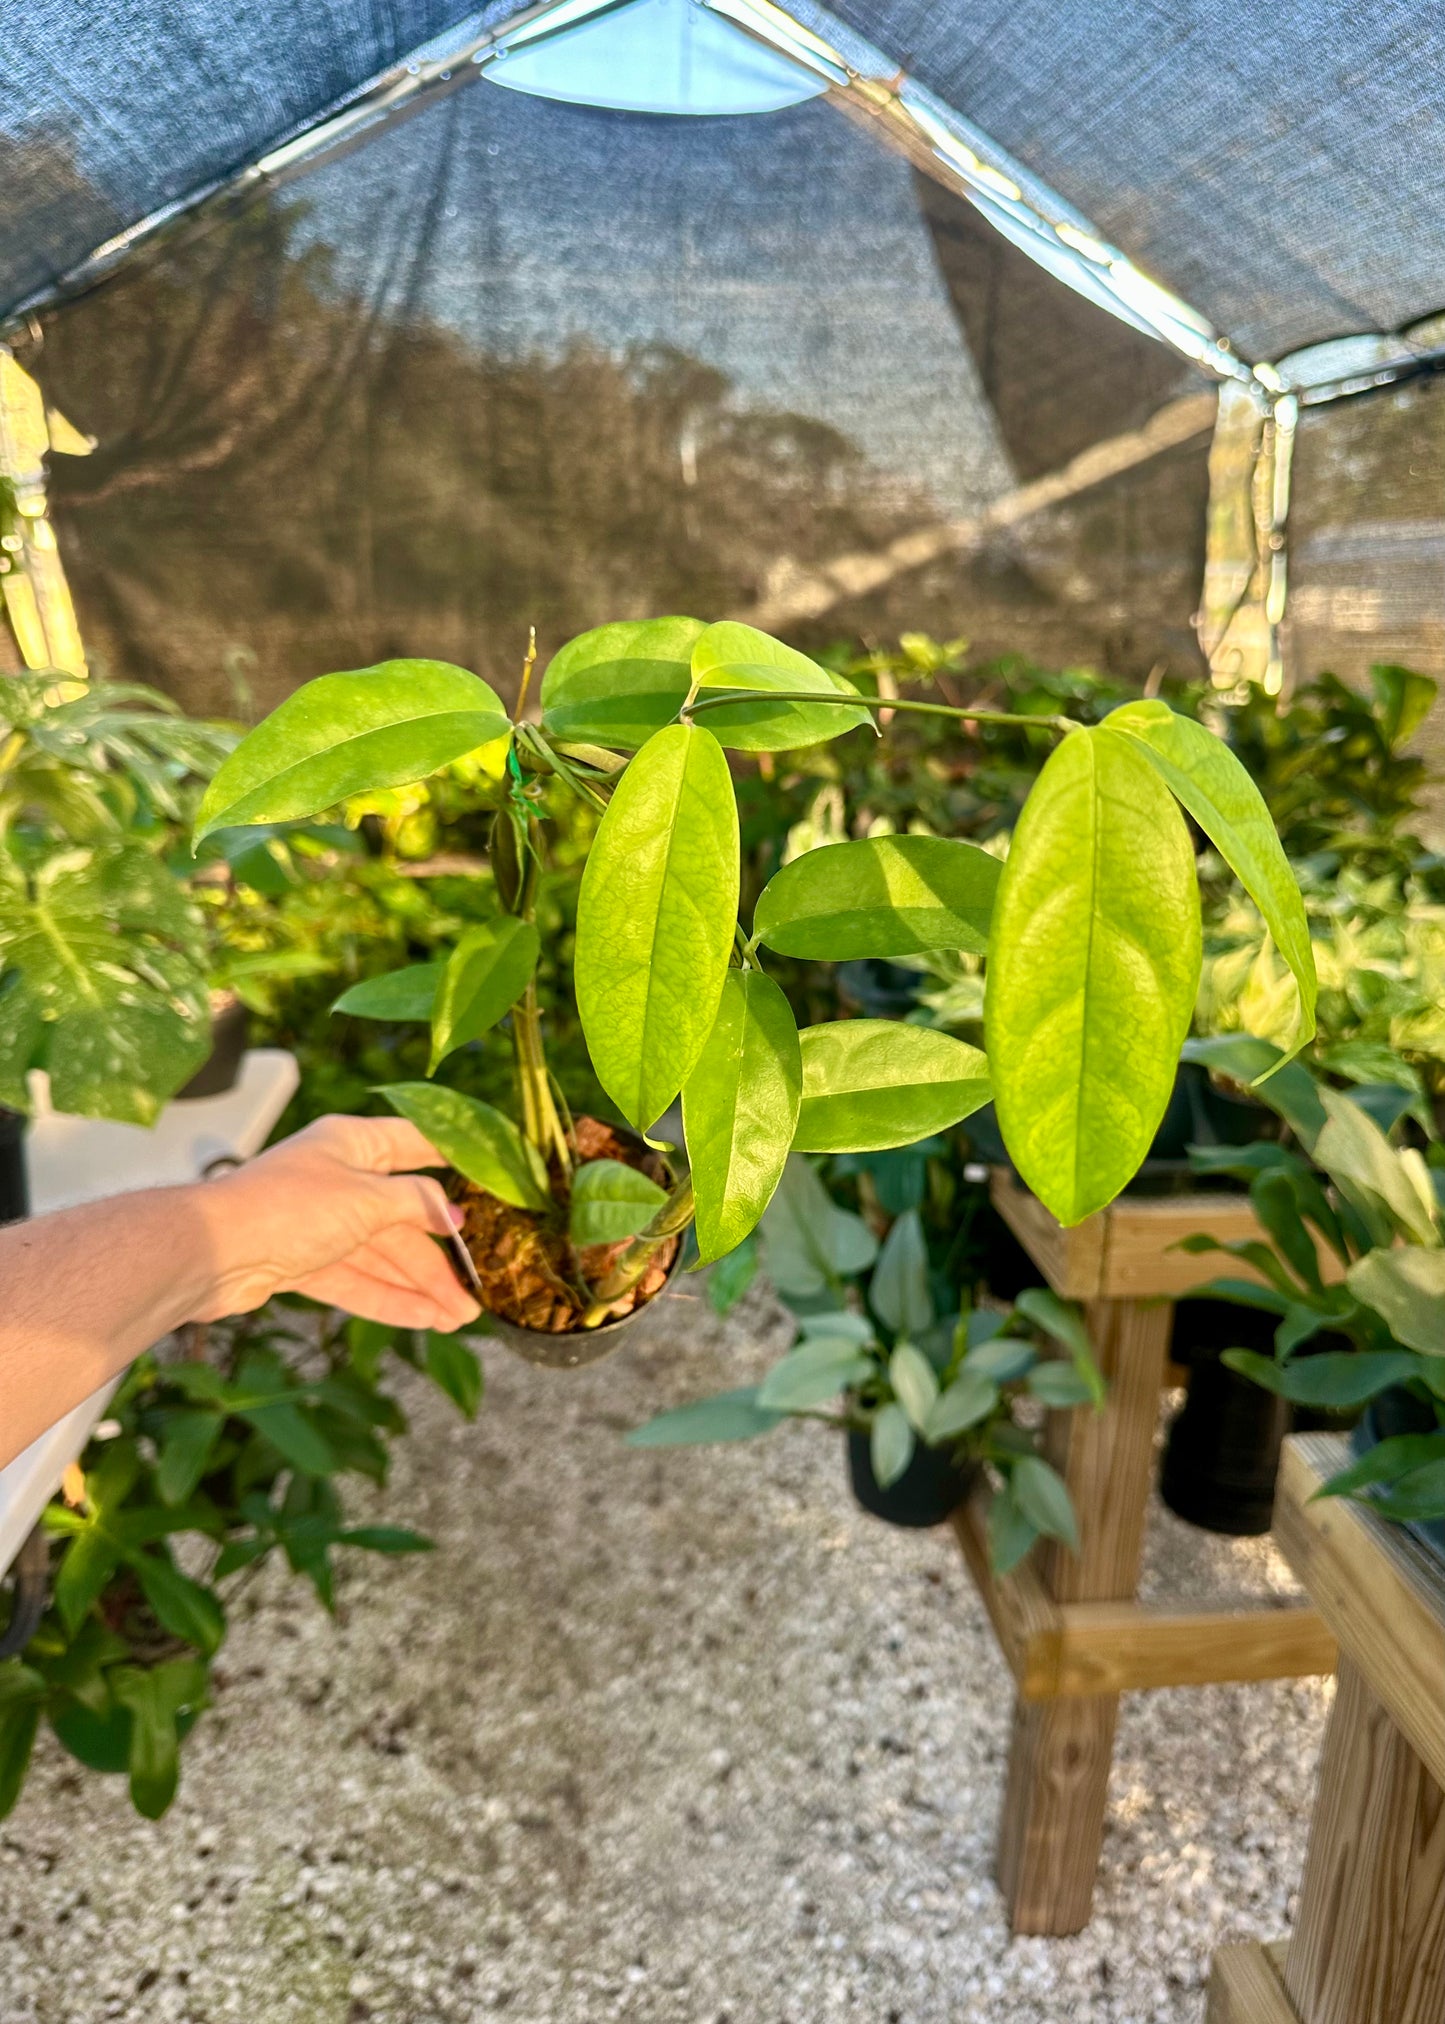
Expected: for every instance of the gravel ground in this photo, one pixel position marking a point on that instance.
(680, 1738)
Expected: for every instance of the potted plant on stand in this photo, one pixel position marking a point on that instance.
(1091, 930)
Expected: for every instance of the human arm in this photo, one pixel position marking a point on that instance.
(333, 1212)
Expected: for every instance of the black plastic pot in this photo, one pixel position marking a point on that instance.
(1399, 1412)
(14, 1187)
(580, 1346)
(930, 1489)
(218, 1072)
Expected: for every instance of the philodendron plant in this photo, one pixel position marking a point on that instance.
(1091, 930)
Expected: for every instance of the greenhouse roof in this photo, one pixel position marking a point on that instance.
(1281, 169)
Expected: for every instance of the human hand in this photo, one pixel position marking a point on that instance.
(338, 1214)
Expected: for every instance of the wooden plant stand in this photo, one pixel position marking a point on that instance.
(1070, 1627)
(1369, 1942)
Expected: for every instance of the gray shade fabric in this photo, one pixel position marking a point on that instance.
(1282, 167)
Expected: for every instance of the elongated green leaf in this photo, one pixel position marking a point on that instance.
(1355, 1152)
(22, 1696)
(655, 919)
(1000, 1359)
(914, 1382)
(809, 1243)
(1057, 1383)
(186, 1445)
(731, 1416)
(182, 1606)
(1063, 1321)
(350, 734)
(871, 1083)
(1335, 1378)
(887, 896)
(1287, 1087)
(157, 1699)
(740, 1108)
(732, 1275)
(970, 1398)
(400, 994)
(385, 1539)
(890, 1445)
(477, 1140)
(295, 1436)
(1205, 775)
(1418, 1497)
(733, 656)
(840, 1325)
(487, 972)
(898, 1292)
(812, 1375)
(612, 1201)
(1093, 967)
(87, 1565)
(457, 1369)
(1406, 1288)
(1386, 1462)
(618, 684)
(1011, 1534)
(1405, 698)
(1043, 1498)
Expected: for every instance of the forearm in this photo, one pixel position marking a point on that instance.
(83, 1291)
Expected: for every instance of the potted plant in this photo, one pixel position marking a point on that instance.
(924, 1400)
(1091, 930)
(235, 1451)
(1352, 1277)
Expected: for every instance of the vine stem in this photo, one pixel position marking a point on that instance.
(670, 1221)
(716, 698)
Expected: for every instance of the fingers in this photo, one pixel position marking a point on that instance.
(408, 1260)
(377, 1145)
(411, 1201)
(373, 1299)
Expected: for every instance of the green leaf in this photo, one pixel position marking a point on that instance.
(1289, 1090)
(399, 994)
(970, 1398)
(1042, 1496)
(98, 1738)
(1011, 1534)
(655, 919)
(1418, 1497)
(731, 1416)
(1206, 776)
(477, 1140)
(487, 972)
(618, 684)
(611, 1202)
(1406, 1288)
(182, 1606)
(294, 1435)
(739, 1108)
(22, 1695)
(1386, 1462)
(732, 1275)
(457, 1369)
(187, 1442)
(1093, 966)
(898, 1292)
(86, 1566)
(809, 1243)
(812, 1375)
(871, 1083)
(733, 656)
(1334, 1378)
(840, 1325)
(1063, 1321)
(156, 1699)
(914, 1383)
(1277, 1207)
(890, 1445)
(1000, 1359)
(1058, 1384)
(386, 1539)
(112, 957)
(351, 734)
(1405, 699)
(887, 896)
(1355, 1152)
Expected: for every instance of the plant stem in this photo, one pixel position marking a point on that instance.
(527, 665)
(671, 1219)
(715, 699)
(539, 1113)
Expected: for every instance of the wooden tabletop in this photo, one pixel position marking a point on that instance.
(1381, 1594)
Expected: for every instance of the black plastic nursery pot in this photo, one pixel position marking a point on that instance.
(929, 1491)
(14, 1186)
(218, 1072)
(579, 1346)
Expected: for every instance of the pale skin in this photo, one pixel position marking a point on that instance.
(339, 1212)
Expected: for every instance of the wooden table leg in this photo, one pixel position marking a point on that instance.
(1054, 1800)
(1369, 1944)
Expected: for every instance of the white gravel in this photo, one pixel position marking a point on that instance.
(680, 1738)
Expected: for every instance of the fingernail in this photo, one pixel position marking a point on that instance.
(458, 1215)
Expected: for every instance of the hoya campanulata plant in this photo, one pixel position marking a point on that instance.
(1090, 930)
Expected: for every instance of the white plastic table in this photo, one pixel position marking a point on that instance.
(82, 1159)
